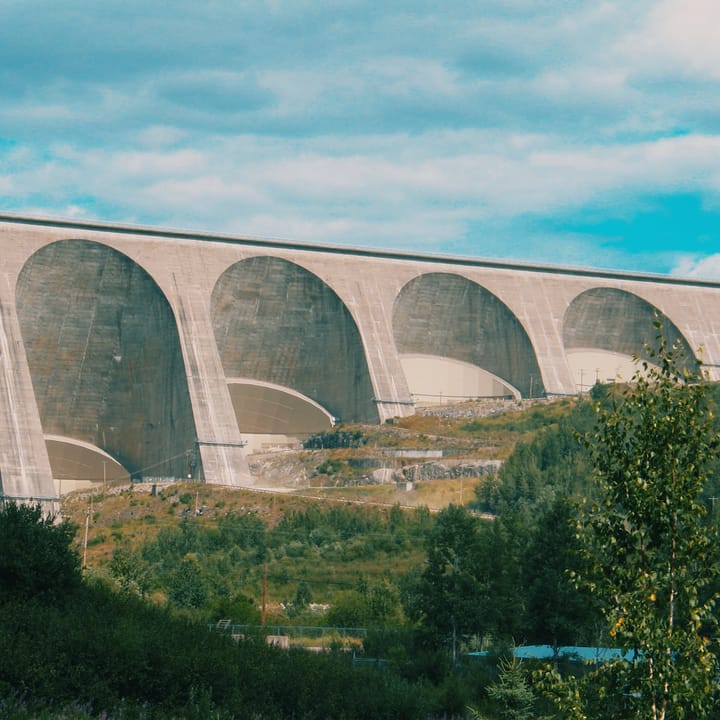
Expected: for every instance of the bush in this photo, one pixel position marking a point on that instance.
(36, 559)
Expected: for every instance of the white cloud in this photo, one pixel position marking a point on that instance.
(422, 231)
(680, 37)
(707, 268)
(375, 184)
(160, 136)
(203, 190)
(395, 124)
(74, 211)
(38, 111)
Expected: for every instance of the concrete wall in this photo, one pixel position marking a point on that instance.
(274, 321)
(151, 346)
(447, 315)
(104, 356)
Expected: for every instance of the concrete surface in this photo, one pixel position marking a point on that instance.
(169, 352)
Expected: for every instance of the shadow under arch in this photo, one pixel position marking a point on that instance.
(105, 360)
(604, 327)
(275, 410)
(447, 316)
(277, 323)
(76, 464)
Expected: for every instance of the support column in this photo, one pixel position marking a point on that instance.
(25, 474)
(219, 442)
(541, 307)
(371, 302)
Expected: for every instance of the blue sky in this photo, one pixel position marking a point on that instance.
(572, 133)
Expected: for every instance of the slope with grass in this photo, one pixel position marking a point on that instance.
(329, 542)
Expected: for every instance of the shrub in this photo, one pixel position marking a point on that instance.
(36, 559)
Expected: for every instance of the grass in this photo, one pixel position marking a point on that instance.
(433, 494)
(130, 516)
(134, 516)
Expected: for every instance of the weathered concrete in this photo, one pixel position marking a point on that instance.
(164, 350)
(104, 356)
(275, 321)
(437, 311)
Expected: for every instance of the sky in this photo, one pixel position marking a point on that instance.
(573, 133)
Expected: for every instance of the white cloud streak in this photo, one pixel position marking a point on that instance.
(707, 268)
(393, 125)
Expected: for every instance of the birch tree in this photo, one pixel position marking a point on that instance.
(650, 551)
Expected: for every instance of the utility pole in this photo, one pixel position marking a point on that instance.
(87, 525)
(263, 613)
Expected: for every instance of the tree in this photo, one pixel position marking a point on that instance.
(130, 572)
(303, 596)
(511, 693)
(188, 586)
(557, 612)
(650, 552)
(36, 560)
(448, 596)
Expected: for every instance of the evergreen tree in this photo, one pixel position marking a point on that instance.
(558, 613)
(449, 597)
(511, 693)
(188, 586)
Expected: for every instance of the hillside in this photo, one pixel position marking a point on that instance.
(321, 520)
(330, 563)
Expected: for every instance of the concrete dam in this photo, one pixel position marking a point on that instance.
(137, 352)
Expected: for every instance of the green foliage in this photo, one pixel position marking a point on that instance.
(349, 609)
(36, 560)
(553, 464)
(331, 466)
(188, 585)
(558, 612)
(196, 565)
(130, 572)
(373, 603)
(83, 648)
(447, 598)
(115, 656)
(303, 596)
(203, 566)
(246, 531)
(337, 438)
(513, 422)
(241, 608)
(511, 693)
(531, 545)
(651, 555)
(335, 522)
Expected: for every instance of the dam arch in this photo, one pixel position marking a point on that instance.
(281, 328)
(605, 327)
(473, 344)
(186, 266)
(104, 357)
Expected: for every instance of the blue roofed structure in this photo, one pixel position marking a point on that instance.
(572, 653)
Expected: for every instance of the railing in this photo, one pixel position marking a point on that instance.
(227, 627)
